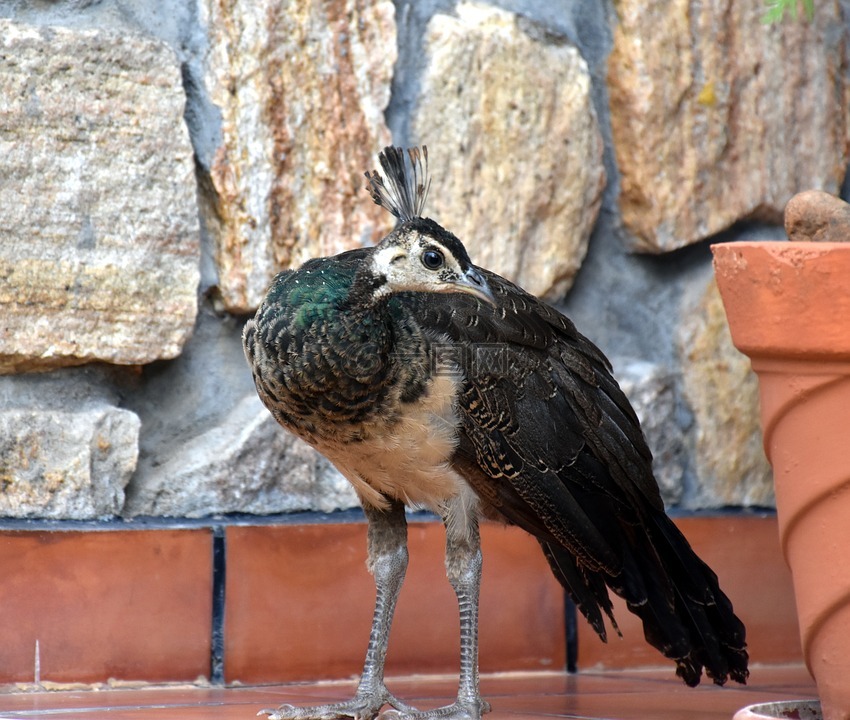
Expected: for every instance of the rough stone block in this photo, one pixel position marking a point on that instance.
(516, 153)
(650, 389)
(722, 391)
(302, 87)
(210, 447)
(248, 464)
(99, 243)
(717, 117)
(65, 453)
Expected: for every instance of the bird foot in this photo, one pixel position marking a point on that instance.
(363, 706)
(460, 710)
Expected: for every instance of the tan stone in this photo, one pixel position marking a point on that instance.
(816, 216)
(99, 243)
(717, 117)
(66, 463)
(722, 391)
(302, 88)
(515, 149)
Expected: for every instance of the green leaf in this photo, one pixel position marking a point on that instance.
(809, 6)
(776, 10)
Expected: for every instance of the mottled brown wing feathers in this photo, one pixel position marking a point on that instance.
(550, 443)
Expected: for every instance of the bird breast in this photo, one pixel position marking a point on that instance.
(391, 434)
(406, 456)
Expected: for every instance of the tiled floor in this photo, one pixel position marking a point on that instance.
(612, 695)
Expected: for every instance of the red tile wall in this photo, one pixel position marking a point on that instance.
(129, 605)
(137, 604)
(300, 600)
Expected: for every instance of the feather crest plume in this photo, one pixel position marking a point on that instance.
(406, 188)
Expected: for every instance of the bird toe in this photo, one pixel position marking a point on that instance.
(458, 711)
(365, 705)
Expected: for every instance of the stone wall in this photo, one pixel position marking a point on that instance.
(159, 162)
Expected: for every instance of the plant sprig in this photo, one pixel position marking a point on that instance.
(776, 10)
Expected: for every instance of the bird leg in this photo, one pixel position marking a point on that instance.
(463, 568)
(387, 561)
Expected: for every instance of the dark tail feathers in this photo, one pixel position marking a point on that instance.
(685, 614)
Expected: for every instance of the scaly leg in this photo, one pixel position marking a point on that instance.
(463, 568)
(387, 553)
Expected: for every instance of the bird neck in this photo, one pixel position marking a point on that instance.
(368, 292)
(386, 336)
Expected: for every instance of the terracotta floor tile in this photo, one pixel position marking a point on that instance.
(201, 712)
(744, 552)
(645, 694)
(299, 604)
(132, 605)
(640, 695)
(125, 699)
(624, 695)
(696, 705)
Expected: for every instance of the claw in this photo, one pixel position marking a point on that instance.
(280, 713)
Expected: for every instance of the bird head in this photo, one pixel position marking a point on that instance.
(419, 255)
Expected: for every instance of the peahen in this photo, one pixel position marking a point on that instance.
(430, 382)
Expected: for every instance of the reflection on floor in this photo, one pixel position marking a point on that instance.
(611, 695)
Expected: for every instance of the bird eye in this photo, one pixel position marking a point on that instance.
(433, 259)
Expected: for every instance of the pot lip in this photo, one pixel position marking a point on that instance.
(796, 252)
(781, 709)
(780, 245)
(786, 299)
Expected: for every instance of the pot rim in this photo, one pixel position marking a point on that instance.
(811, 710)
(786, 299)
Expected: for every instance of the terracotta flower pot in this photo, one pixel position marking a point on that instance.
(788, 306)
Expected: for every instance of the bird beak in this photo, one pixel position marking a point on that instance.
(473, 283)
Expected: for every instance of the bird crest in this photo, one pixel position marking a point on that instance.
(406, 188)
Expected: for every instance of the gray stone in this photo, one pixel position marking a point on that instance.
(717, 117)
(248, 464)
(100, 246)
(302, 88)
(651, 389)
(722, 391)
(515, 149)
(210, 447)
(66, 452)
